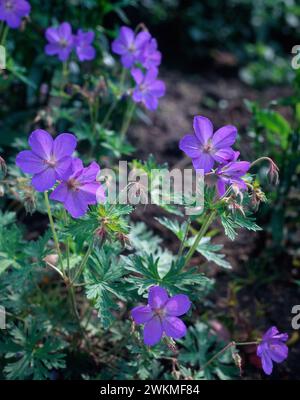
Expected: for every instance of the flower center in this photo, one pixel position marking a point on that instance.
(73, 184)
(160, 312)
(51, 162)
(208, 147)
(131, 48)
(9, 5)
(63, 43)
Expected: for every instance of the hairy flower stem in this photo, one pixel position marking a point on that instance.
(94, 114)
(182, 244)
(67, 244)
(122, 78)
(262, 159)
(65, 73)
(227, 347)
(108, 114)
(4, 35)
(73, 303)
(54, 234)
(1, 28)
(115, 102)
(127, 119)
(65, 70)
(77, 316)
(206, 224)
(83, 262)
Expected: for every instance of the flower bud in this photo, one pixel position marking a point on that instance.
(100, 235)
(51, 259)
(273, 173)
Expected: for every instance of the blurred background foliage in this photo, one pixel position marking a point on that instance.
(253, 36)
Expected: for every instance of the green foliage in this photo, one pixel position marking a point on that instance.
(199, 346)
(232, 222)
(275, 127)
(144, 241)
(176, 280)
(205, 248)
(255, 41)
(104, 283)
(280, 139)
(10, 242)
(32, 351)
(210, 252)
(104, 221)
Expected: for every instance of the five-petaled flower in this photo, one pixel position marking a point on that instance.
(161, 315)
(231, 175)
(205, 147)
(80, 189)
(61, 41)
(83, 45)
(130, 46)
(148, 88)
(48, 160)
(272, 349)
(12, 12)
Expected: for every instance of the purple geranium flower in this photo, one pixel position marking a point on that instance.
(272, 348)
(230, 175)
(83, 45)
(205, 147)
(80, 189)
(48, 160)
(150, 57)
(12, 12)
(130, 46)
(61, 41)
(161, 315)
(148, 88)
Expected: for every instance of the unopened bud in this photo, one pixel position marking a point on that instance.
(51, 259)
(100, 235)
(2, 190)
(273, 173)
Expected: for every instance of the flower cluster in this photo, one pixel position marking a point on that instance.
(161, 314)
(12, 12)
(139, 53)
(54, 168)
(50, 162)
(160, 317)
(62, 42)
(206, 147)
